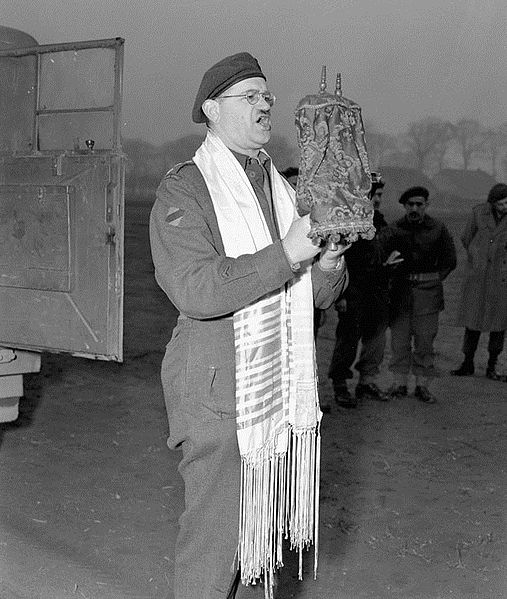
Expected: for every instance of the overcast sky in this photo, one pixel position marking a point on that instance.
(400, 60)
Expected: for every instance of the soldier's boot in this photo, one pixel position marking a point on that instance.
(368, 389)
(342, 395)
(421, 390)
(399, 388)
(467, 368)
(491, 371)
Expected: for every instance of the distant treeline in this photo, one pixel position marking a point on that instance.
(458, 160)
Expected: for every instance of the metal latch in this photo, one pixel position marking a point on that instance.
(6, 355)
(110, 236)
(57, 166)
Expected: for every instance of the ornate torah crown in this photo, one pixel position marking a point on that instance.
(334, 173)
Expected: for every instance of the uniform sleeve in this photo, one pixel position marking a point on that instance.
(447, 262)
(200, 281)
(328, 285)
(386, 239)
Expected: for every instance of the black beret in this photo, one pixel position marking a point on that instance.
(221, 76)
(497, 192)
(414, 192)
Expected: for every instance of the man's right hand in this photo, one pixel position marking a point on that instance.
(393, 259)
(297, 246)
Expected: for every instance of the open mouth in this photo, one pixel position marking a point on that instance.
(264, 121)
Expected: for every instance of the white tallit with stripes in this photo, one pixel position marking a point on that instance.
(277, 410)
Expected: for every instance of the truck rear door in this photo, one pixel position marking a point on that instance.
(62, 199)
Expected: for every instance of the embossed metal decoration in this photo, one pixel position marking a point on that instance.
(334, 173)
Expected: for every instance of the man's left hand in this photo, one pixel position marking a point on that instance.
(331, 256)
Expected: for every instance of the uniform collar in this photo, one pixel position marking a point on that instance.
(245, 160)
(426, 223)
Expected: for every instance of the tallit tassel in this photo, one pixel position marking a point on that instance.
(279, 498)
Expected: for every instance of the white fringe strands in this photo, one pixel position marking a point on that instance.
(279, 500)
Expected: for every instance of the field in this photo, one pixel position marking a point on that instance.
(413, 496)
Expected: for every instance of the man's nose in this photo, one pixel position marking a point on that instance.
(264, 103)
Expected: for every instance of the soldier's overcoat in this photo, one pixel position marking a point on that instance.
(484, 295)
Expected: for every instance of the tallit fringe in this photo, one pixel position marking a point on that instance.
(277, 504)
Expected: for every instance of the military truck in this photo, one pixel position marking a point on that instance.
(61, 205)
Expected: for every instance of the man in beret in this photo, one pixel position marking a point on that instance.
(363, 315)
(483, 306)
(416, 293)
(234, 258)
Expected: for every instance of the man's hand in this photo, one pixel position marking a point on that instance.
(393, 259)
(297, 246)
(331, 256)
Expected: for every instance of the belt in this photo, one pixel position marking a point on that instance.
(424, 276)
(185, 317)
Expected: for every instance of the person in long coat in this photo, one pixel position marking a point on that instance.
(483, 305)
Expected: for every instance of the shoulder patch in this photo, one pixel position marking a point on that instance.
(177, 168)
(174, 216)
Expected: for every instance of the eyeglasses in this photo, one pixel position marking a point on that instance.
(253, 96)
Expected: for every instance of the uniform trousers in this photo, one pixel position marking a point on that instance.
(208, 538)
(365, 320)
(412, 338)
(198, 377)
(471, 341)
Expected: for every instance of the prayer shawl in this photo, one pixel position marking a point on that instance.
(277, 410)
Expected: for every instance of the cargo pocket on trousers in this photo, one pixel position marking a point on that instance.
(219, 398)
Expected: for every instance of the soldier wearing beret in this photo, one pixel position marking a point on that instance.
(363, 315)
(483, 306)
(229, 249)
(416, 291)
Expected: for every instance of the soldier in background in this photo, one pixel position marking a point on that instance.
(484, 297)
(416, 291)
(363, 315)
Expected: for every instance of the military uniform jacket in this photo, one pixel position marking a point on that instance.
(207, 287)
(484, 298)
(425, 247)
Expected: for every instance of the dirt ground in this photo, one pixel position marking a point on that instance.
(413, 496)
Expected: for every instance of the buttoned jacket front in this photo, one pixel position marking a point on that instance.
(207, 287)
(425, 247)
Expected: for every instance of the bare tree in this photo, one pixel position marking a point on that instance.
(491, 149)
(428, 140)
(381, 146)
(495, 148)
(469, 137)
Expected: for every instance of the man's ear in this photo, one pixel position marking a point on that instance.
(211, 109)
